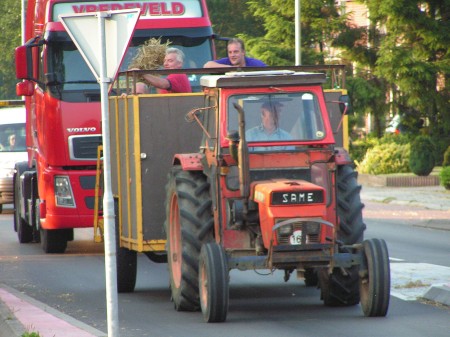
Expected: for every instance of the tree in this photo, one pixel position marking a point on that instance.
(232, 18)
(414, 59)
(10, 31)
(320, 23)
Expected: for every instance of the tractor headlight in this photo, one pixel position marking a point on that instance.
(63, 192)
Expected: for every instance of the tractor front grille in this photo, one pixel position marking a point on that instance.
(298, 233)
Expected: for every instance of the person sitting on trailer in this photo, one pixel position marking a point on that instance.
(236, 57)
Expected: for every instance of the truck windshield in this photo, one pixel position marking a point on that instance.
(277, 117)
(72, 80)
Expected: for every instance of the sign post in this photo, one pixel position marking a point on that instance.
(104, 53)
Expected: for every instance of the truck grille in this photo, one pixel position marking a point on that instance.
(84, 147)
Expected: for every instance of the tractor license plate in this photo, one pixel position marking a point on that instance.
(296, 238)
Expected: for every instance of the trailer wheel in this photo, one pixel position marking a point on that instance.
(23, 229)
(189, 224)
(126, 260)
(54, 241)
(213, 283)
(341, 287)
(375, 278)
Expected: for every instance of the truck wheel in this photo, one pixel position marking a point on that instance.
(53, 241)
(213, 283)
(375, 280)
(126, 260)
(24, 231)
(189, 224)
(341, 288)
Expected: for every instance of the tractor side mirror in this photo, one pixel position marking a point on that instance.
(233, 141)
(345, 105)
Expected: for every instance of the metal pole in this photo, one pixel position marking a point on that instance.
(298, 34)
(23, 11)
(108, 201)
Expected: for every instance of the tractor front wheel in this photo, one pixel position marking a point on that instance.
(213, 283)
(375, 278)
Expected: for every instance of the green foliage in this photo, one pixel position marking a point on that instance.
(359, 148)
(385, 158)
(10, 33)
(421, 160)
(31, 334)
(446, 161)
(320, 24)
(444, 177)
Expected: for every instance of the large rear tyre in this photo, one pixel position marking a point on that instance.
(213, 283)
(375, 281)
(54, 241)
(341, 287)
(189, 224)
(126, 260)
(23, 229)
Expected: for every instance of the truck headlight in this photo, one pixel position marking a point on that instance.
(63, 192)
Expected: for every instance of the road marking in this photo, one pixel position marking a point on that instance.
(410, 281)
(393, 259)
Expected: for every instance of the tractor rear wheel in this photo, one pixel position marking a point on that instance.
(341, 287)
(375, 281)
(213, 283)
(189, 224)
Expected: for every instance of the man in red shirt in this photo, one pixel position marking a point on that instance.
(173, 83)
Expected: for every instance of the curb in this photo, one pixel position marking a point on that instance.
(21, 313)
(439, 293)
(397, 181)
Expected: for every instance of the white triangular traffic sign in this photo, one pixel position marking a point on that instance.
(84, 29)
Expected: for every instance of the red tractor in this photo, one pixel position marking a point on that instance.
(269, 189)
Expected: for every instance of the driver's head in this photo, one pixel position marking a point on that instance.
(270, 113)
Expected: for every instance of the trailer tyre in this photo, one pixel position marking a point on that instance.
(126, 260)
(375, 278)
(23, 229)
(189, 224)
(213, 283)
(341, 287)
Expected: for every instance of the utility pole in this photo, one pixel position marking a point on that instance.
(298, 34)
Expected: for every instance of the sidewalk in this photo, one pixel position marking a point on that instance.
(405, 202)
(433, 198)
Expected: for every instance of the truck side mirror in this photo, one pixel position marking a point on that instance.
(345, 105)
(24, 69)
(25, 88)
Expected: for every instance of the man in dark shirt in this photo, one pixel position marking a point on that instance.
(236, 57)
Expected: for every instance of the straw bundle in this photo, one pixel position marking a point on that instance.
(150, 56)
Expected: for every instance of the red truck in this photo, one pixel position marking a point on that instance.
(54, 189)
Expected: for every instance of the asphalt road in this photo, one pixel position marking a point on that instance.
(71, 286)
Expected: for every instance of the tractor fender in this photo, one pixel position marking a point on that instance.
(189, 161)
(342, 157)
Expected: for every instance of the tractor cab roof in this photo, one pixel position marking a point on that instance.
(236, 79)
